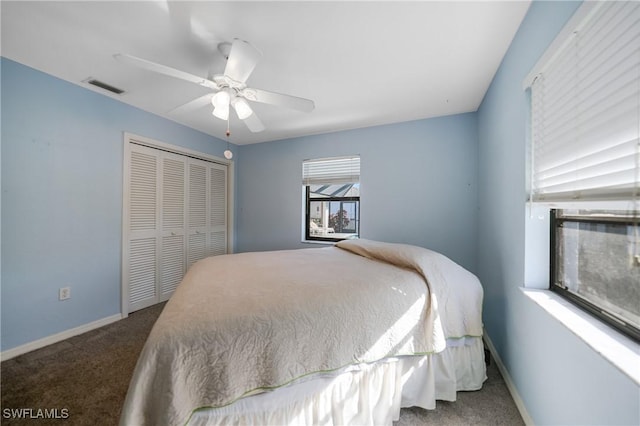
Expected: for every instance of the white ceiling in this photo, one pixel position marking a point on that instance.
(363, 63)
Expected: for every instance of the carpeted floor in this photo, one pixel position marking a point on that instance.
(85, 378)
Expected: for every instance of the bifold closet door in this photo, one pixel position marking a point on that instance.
(175, 214)
(172, 264)
(141, 261)
(207, 206)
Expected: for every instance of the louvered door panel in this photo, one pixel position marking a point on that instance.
(197, 247)
(173, 264)
(142, 249)
(173, 252)
(218, 210)
(197, 195)
(143, 191)
(142, 273)
(197, 223)
(218, 244)
(218, 197)
(173, 194)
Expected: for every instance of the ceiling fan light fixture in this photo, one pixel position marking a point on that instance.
(221, 99)
(221, 112)
(242, 108)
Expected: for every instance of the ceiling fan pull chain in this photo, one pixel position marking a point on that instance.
(227, 153)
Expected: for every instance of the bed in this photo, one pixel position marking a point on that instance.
(345, 334)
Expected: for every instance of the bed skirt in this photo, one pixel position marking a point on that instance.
(363, 394)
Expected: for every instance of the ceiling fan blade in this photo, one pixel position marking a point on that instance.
(193, 105)
(243, 58)
(163, 69)
(273, 98)
(253, 123)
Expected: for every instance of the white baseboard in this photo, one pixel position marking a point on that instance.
(508, 381)
(58, 337)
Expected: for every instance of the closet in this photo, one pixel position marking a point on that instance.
(175, 213)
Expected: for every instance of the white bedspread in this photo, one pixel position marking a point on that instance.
(244, 323)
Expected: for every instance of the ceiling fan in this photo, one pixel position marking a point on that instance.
(229, 89)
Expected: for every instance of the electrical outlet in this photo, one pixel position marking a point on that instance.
(64, 293)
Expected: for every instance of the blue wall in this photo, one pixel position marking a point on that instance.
(418, 186)
(62, 157)
(560, 379)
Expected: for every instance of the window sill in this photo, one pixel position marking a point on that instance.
(320, 242)
(613, 346)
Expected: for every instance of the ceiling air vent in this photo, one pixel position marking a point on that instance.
(104, 86)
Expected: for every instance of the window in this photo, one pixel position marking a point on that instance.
(585, 151)
(595, 263)
(332, 198)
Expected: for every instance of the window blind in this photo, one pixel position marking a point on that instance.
(331, 170)
(585, 111)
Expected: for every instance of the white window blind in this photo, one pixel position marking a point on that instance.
(586, 110)
(331, 170)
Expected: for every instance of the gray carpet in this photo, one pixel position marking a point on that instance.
(88, 376)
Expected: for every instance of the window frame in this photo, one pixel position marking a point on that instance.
(307, 215)
(594, 113)
(556, 221)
